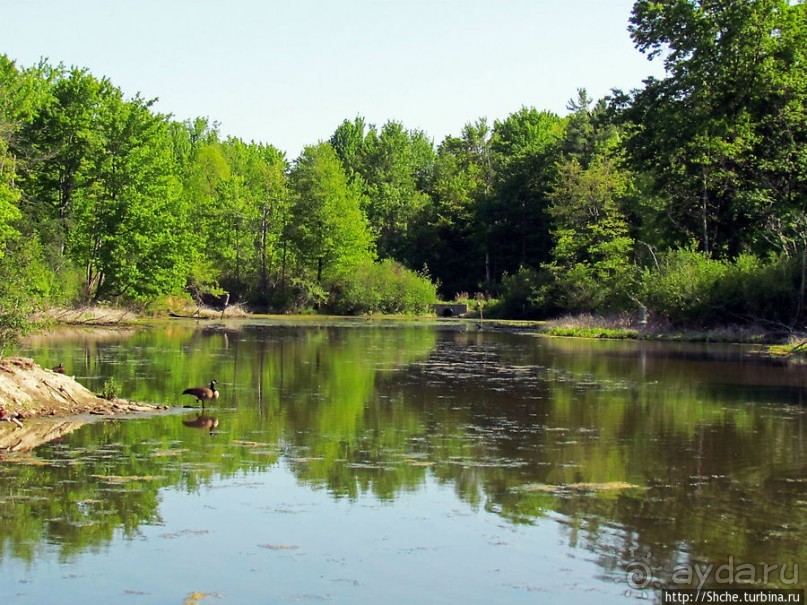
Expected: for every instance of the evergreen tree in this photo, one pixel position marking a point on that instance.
(450, 237)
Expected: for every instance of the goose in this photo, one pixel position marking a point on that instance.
(204, 394)
(59, 369)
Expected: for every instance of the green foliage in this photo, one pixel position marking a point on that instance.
(450, 237)
(250, 214)
(238, 208)
(179, 304)
(350, 142)
(610, 333)
(689, 287)
(14, 97)
(66, 138)
(381, 287)
(104, 194)
(111, 389)
(590, 265)
(331, 233)
(555, 214)
(302, 295)
(527, 294)
(9, 193)
(202, 281)
(26, 284)
(592, 257)
(391, 169)
(524, 149)
(724, 133)
(129, 224)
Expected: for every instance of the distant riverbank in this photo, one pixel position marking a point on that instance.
(779, 341)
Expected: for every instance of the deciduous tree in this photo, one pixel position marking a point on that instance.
(330, 231)
(724, 132)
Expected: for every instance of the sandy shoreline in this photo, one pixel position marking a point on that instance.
(50, 405)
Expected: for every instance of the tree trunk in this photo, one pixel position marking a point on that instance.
(802, 289)
(704, 215)
(264, 277)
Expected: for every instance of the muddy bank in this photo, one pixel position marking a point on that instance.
(49, 404)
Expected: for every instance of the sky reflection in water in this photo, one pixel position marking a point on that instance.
(360, 464)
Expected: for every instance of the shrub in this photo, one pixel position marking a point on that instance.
(168, 304)
(25, 284)
(111, 389)
(756, 289)
(540, 293)
(302, 295)
(603, 287)
(382, 287)
(527, 294)
(689, 287)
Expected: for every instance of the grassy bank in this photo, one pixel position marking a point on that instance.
(780, 343)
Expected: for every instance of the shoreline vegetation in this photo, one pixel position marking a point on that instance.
(686, 197)
(778, 340)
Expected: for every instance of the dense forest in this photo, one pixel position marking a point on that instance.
(687, 196)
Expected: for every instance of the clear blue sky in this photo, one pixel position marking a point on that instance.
(288, 72)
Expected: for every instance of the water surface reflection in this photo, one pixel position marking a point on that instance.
(595, 455)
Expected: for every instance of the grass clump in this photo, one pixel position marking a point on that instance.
(795, 348)
(612, 333)
(586, 325)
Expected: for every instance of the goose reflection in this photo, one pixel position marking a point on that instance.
(202, 421)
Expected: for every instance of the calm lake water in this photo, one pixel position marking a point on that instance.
(358, 462)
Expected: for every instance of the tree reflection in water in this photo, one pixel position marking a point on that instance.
(667, 453)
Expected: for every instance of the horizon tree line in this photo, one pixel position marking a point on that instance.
(686, 196)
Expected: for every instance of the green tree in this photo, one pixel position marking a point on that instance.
(398, 167)
(100, 187)
(590, 130)
(130, 229)
(13, 94)
(257, 210)
(25, 280)
(202, 168)
(329, 231)
(239, 208)
(349, 140)
(582, 197)
(524, 147)
(66, 140)
(592, 258)
(392, 168)
(450, 238)
(723, 135)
